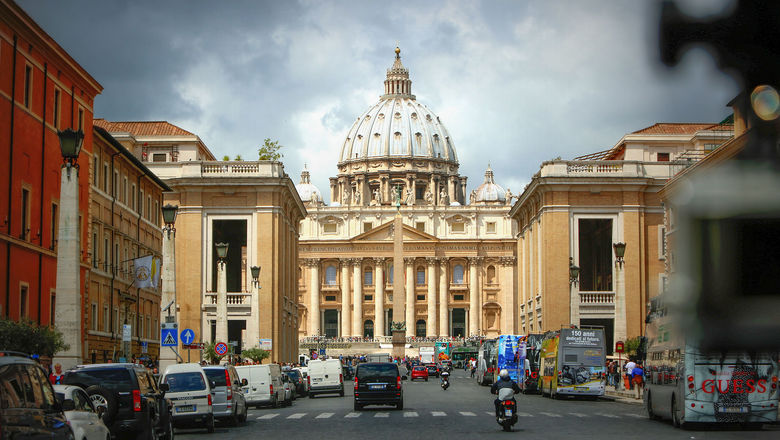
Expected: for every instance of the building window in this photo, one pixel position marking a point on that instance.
(367, 226)
(116, 320)
(419, 328)
(368, 297)
(106, 254)
(24, 306)
(662, 157)
(420, 297)
(27, 85)
(491, 274)
(457, 274)
(52, 304)
(116, 258)
(55, 223)
(458, 297)
(141, 203)
(158, 157)
(329, 228)
(25, 214)
(94, 249)
(93, 316)
(115, 185)
(148, 207)
(105, 177)
(106, 320)
(95, 169)
(368, 277)
(81, 119)
(490, 227)
(710, 147)
(55, 118)
(330, 297)
(132, 197)
(330, 275)
(661, 242)
(595, 259)
(459, 227)
(420, 226)
(420, 275)
(368, 329)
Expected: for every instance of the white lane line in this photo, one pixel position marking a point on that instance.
(549, 414)
(611, 416)
(521, 414)
(267, 417)
(296, 416)
(490, 413)
(382, 414)
(467, 414)
(324, 416)
(352, 415)
(638, 416)
(580, 415)
(410, 414)
(438, 413)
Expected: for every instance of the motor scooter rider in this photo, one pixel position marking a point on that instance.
(504, 381)
(444, 376)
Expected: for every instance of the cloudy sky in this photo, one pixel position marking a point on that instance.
(514, 82)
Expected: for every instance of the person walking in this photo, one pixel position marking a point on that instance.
(630, 372)
(638, 374)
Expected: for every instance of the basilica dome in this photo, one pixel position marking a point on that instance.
(398, 127)
(489, 192)
(306, 190)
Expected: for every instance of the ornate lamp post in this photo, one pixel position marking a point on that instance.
(168, 299)
(221, 330)
(68, 312)
(574, 292)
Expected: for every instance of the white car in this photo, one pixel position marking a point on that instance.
(82, 416)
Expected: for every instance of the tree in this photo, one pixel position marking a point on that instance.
(256, 354)
(270, 150)
(238, 158)
(210, 354)
(632, 345)
(226, 158)
(28, 337)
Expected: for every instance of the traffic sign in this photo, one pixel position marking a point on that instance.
(187, 336)
(322, 352)
(619, 347)
(195, 346)
(168, 337)
(127, 333)
(221, 348)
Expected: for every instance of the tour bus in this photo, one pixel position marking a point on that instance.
(486, 362)
(573, 362)
(687, 385)
(460, 355)
(510, 355)
(533, 347)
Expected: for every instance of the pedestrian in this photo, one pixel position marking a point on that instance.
(630, 372)
(56, 377)
(638, 380)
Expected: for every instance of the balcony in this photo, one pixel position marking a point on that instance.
(611, 168)
(238, 303)
(597, 303)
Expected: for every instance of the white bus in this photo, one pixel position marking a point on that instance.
(689, 386)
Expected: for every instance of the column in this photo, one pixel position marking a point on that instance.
(414, 189)
(451, 189)
(475, 296)
(410, 295)
(345, 299)
(444, 297)
(463, 191)
(357, 297)
(253, 320)
(430, 325)
(222, 331)
(508, 296)
(379, 297)
(315, 327)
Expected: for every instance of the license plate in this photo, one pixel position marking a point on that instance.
(185, 408)
(508, 412)
(377, 387)
(317, 379)
(735, 409)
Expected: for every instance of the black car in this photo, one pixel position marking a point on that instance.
(378, 383)
(433, 370)
(133, 402)
(28, 408)
(297, 380)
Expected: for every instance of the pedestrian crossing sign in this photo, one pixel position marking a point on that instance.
(168, 337)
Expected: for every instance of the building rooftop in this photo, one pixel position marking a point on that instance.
(143, 128)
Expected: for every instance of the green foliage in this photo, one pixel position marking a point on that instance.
(632, 345)
(256, 354)
(210, 354)
(28, 337)
(238, 158)
(270, 150)
(226, 158)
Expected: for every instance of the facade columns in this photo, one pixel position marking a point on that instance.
(357, 297)
(508, 295)
(315, 328)
(345, 299)
(430, 325)
(379, 297)
(475, 296)
(443, 297)
(451, 189)
(222, 324)
(410, 294)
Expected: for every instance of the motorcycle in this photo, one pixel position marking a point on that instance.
(507, 413)
(445, 380)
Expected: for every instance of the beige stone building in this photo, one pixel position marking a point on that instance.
(572, 213)
(459, 249)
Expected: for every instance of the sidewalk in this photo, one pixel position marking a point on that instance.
(622, 395)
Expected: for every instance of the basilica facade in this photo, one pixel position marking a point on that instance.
(459, 249)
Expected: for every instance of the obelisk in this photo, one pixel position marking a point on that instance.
(398, 327)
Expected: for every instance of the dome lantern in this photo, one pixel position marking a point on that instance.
(397, 83)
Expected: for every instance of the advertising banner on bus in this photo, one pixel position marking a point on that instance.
(511, 356)
(581, 361)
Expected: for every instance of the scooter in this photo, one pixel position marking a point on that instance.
(445, 380)
(507, 412)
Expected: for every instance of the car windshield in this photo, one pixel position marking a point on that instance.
(377, 371)
(294, 375)
(115, 379)
(419, 368)
(188, 381)
(217, 375)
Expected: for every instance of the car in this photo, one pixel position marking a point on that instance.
(433, 370)
(304, 371)
(289, 390)
(190, 391)
(419, 372)
(133, 402)
(84, 419)
(227, 394)
(298, 381)
(34, 413)
(378, 383)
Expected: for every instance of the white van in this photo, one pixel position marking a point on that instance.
(190, 393)
(264, 384)
(325, 377)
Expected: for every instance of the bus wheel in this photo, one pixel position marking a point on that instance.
(650, 413)
(675, 416)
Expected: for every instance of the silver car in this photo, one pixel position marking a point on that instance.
(82, 416)
(228, 398)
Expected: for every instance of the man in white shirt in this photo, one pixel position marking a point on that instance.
(629, 372)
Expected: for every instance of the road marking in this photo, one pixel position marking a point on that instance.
(324, 416)
(490, 413)
(438, 413)
(611, 416)
(520, 414)
(296, 416)
(352, 415)
(410, 414)
(549, 414)
(382, 414)
(638, 416)
(467, 414)
(580, 415)
(267, 417)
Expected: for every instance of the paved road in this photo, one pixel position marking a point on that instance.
(465, 411)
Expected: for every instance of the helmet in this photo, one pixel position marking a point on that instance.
(503, 373)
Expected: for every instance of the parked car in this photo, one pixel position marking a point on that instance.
(190, 391)
(35, 414)
(325, 377)
(378, 383)
(419, 372)
(264, 384)
(228, 401)
(83, 418)
(297, 379)
(132, 400)
(289, 390)
(433, 370)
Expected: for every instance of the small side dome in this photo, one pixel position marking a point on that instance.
(489, 192)
(308, 193)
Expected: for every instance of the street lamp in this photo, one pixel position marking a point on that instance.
(169, 218)
(222, 249)
(255, 274)
(70, 146)
(620, 251)
(574, 272)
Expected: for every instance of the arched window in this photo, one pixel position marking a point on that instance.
(491, 274)
(330, 275)
(368, 329)
(419, 328)
(457, 274)
(420, 275)
(368, 276)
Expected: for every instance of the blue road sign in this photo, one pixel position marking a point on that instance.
(187, 336)
(168, 337)
(322, 352)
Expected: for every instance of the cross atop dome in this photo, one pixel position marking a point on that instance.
(398, 84)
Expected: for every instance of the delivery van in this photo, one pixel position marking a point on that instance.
(264, 384)
(191, 392)
(325, 377)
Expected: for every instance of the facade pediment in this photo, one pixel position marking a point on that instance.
(384, 232)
